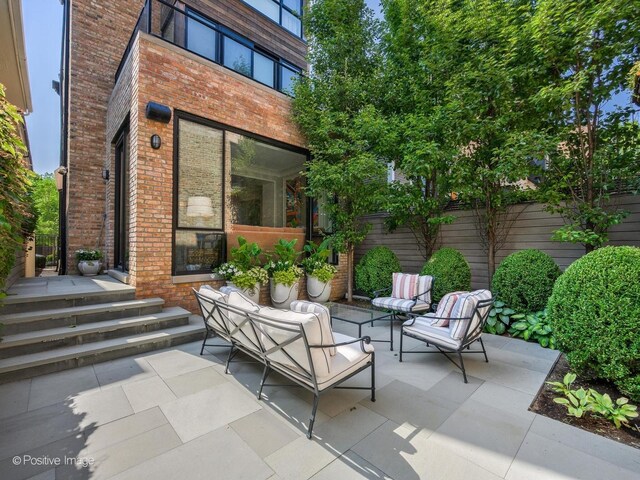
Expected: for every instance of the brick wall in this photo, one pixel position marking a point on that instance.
(99, 34)
(171, 76)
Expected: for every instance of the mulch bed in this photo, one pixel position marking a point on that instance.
(543, 404)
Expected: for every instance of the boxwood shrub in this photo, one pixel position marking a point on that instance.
(595, 314)
(524, 280)
(375, 270)
(451, 271)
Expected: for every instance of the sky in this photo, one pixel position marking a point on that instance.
(43, 31)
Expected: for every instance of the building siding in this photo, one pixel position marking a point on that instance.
(533, 228)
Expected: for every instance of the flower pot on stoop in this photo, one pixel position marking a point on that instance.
(318, 291)
(282, 295)
(89, 268)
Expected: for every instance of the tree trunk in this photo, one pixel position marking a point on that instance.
(491, 260)
(350, 251)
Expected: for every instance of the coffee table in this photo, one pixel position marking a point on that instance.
(359, 316)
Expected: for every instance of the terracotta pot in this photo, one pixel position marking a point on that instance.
(318, 291)
(282, 295)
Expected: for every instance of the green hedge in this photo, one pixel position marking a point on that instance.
(524, 280)
(451, 271)
(595, 314)
(375, 270)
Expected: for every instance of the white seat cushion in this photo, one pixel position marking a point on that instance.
(422, 328)
(400, 305)
(347, 360)
(324, 318)
(213, 317)
(239, 326)
(299, 361)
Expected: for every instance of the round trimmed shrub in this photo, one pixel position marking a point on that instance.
(375, 270)
(524, 280)
(595, 315)
(450, 270)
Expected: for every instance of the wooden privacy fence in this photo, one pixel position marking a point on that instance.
(532, 228)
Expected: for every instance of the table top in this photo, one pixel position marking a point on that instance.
(353, 314)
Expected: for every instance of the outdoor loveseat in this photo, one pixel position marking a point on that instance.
(457, 323)
(298, 343)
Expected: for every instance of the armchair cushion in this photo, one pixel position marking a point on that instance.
(213, 317)
(464, 308)
(400, 305)
(405, 286)
(445, 307)
(422, 328)
(425, 284)
(239, 326)
(348, 359)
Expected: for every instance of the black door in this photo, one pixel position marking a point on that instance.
(121, 245)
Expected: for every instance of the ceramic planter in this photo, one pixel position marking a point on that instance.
(282, 295)
(318, 291)
(252, 293)
(89, 268)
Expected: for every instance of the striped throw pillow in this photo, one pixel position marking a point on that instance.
(445, 307)
(464, 308)
(405, 285)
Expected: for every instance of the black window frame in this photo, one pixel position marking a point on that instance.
(182, 115)
(221, 32)
(281, 6)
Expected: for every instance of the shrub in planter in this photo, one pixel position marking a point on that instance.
(89, 262)
(249, 282)
(319, 272)
(451, 271)
(595, 315)
(284, 273)
(375, 270)
(524, 280)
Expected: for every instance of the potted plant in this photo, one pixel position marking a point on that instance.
(228, 271)
(285, 274)
(319, 272)
(249, 282)
(89, 263)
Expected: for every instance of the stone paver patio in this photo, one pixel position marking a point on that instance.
(175, 414)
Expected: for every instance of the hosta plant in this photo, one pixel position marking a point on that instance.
(500, 317)
(580, 401)
(534, 327)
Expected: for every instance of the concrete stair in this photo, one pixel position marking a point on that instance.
(47, 333)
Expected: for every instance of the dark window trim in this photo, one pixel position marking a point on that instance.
(182, 115)
(279, 22)
(221, 32)
(122, 135)
(178, 115)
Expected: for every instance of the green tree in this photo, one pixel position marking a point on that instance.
(334, 110)
(488, 115)
(414, 139)
(588, 47)
(45, 198)
(15, 180)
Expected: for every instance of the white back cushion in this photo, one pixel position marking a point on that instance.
(324, 318)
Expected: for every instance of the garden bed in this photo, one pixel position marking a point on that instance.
(543, 404)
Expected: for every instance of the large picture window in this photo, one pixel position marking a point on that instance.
(267, 187)
(199, 240)
(287, 13)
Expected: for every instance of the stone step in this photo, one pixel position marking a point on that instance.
(42, 340)
(30, 321)
(40, 363)
(28, 302)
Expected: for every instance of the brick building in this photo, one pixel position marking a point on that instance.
(177, 137)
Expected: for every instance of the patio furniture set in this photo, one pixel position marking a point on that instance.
(301, 345)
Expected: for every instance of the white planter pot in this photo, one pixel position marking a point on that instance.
(89, 268)
(318, 291)
(231, 284)
(252, 293)
(282, 295)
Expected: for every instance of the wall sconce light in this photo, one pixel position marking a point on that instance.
(59, 174)
(105, 174)
(158, 112)
(156, 141)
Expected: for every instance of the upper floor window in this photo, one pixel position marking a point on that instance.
(287, 13)
(221, 45)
